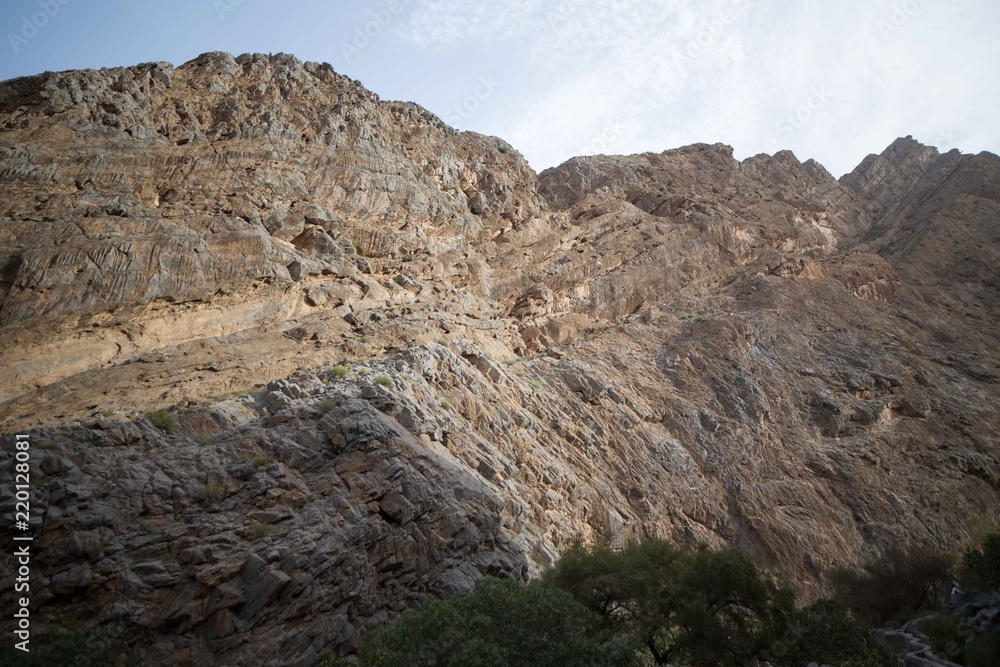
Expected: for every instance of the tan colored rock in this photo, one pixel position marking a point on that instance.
(677, 344)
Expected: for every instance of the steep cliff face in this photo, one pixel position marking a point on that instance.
(238, 183)
(676, 344)
(935, 218)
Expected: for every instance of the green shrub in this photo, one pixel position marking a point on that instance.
(363, 372)
(979, 527)
(261, 530)
(827, 633)
(339, 372)
(327, 405)
(500, 624)
(984, 650)
(211, 492)
(163, 420)
(535, 383)
(204, 440)
(981, 565)
(893, 588)
(445, 405)
(72, 647)
(384, 380)
(260, 461)
(949, 636)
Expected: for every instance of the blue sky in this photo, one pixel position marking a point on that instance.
(832, 81)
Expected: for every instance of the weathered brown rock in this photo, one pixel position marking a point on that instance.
(675, 344)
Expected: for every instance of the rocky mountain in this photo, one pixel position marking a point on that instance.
(380, 358)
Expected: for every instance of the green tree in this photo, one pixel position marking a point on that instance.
(896, 586)
(982, 565)
(687, 607)
(102, 646)
(500, 624)
(827, 633)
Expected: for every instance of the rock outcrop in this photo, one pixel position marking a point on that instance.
(393, 359)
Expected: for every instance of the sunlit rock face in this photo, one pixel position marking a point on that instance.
(394, 359)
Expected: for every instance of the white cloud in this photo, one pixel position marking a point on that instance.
(829, 81)
(458, 22)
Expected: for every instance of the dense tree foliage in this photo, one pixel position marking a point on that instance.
(895, 586)
(827, 633)
(691, 607)
(649, 604)
(72, 647)
(982, 565)
(501, 624)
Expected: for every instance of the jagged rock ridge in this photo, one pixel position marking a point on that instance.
(675, 344)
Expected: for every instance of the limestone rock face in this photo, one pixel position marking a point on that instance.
(395, 360)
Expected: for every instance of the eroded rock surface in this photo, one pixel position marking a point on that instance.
(676, 344)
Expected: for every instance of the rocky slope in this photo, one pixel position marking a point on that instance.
(675, 344)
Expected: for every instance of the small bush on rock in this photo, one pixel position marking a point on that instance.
(163, 420)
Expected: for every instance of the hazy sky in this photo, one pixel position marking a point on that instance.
(832, 81)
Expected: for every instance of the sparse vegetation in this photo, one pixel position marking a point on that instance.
(535, 383)
(211, 492)
(339, 372)
(363, 372)
(260, 461)
(204, 440)
(327, 405)
(261, 530)
(384, 380)
(979, 527)
(163, 420)
(445, 405)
